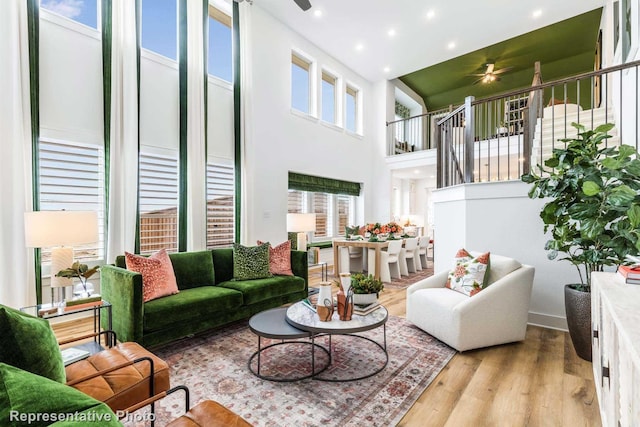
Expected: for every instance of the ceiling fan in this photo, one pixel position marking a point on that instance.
(303, 4)
(491, 74)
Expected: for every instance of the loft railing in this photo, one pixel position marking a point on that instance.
(502, 137)
(414, 133)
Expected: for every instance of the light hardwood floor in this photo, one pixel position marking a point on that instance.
(537, 382)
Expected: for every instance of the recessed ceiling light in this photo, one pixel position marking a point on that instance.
(386, 69)
(391, 32)
(359, 46)
(416, 171)
(451, 45)
(430, 14)
(317, 13)
(537, 13)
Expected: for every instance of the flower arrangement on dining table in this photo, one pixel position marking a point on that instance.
(393, 228)
(375, 229)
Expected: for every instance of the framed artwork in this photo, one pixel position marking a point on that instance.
(597, 80)
(629, 29)
(616, 26)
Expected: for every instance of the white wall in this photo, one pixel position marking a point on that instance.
(500, 218)
(281, 141)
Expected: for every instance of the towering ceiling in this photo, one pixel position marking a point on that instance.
(564, 48)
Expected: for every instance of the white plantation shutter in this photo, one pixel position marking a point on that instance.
(158, 203)
(344, 211)
(322, 209)
(220, 205)
(72, 178)
(295, 202)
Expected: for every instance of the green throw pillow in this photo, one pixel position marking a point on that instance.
(30, 400)
(250, 262)
(351, 231)
(28, 343)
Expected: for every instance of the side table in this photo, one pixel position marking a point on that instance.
(324, 269)
(41, 310)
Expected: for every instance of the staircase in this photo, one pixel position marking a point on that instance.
(551, 128)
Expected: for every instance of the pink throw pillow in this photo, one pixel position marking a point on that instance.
(280, 258)
(158, 278)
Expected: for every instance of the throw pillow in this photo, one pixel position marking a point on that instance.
(158, 278)
(351, 231)
(40, 401)
(280, 258)
(469, 276)
(28, 343)
(250, 262)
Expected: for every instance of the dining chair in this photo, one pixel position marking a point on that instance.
(391, 260)
(411, 257)
(423, 247)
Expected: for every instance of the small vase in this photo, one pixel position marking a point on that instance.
(82, 292)
(345, 306)
(324, 306)
(345, 281)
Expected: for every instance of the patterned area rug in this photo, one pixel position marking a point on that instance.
(214, 366)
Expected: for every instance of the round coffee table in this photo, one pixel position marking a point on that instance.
(302, 318)
(272, 324)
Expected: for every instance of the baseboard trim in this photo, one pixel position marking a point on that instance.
(547, 321)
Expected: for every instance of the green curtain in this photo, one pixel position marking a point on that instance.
(237, 162)
(182, 71)
(33, 12)
(298, 181)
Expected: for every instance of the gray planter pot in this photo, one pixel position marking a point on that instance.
(364, 299)
(577, 305)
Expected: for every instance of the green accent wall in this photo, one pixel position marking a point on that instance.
(563, 49)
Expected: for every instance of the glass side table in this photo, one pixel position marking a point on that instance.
(324, 269)
(49, 311)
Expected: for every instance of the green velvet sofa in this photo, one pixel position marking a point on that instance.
(208, 297)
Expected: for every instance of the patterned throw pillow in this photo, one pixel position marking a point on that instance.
(279, 258)
(158, 278)
(469, 275)
(250, 262)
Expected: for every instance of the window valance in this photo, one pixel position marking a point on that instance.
(298, 181)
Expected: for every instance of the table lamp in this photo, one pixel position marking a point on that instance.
(302, 224)
(59, 230)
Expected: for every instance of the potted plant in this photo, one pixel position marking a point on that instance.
(365, 288)
(82, 272)
(593, 215)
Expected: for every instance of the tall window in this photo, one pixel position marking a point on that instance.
(300, 84)
(220, 206)
(158, 202)
(220, 55)
(333, 211)
(160, 27)
(82, 11)
(351, 109)
(328, 97)
(72, 178)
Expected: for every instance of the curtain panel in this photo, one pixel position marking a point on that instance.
(298, 181)
(19, 132)
(121, 69)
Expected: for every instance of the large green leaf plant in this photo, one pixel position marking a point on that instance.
(593, 212)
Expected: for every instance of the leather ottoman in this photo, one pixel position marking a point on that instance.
(209, 414)
(124, 387)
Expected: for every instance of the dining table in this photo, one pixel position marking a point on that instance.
(376, 247)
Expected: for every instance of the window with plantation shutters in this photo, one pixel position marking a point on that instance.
(296, 202)
(333, 211)
(220, 205)
(72, 178)
(158, 202)
(322, 208)
(343, 203)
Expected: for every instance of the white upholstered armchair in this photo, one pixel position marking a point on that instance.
(496, 315)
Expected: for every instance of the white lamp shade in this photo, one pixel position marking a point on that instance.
(301, 223)
(60, 228)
